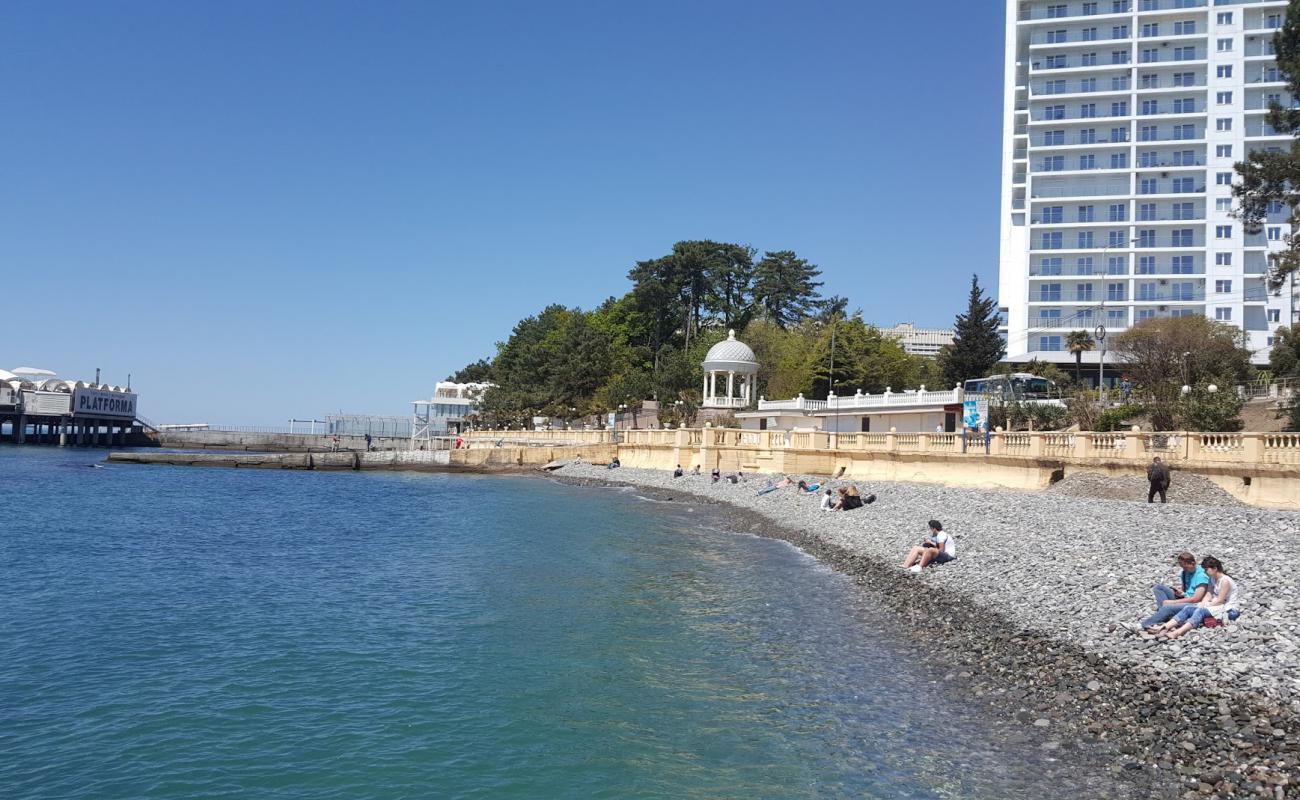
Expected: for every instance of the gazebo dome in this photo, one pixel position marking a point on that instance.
(730, 354)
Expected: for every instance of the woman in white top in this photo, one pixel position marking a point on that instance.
(828, 501)
(1221, 602)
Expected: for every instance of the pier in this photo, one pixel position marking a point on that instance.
(68, 413)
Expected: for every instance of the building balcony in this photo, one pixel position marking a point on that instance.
(1075, 37)
(1092, 189)
(1074, 11)
(1168, 296)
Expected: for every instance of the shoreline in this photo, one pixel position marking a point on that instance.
(1168, 732)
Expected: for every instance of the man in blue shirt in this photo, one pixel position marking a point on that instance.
(1194, 586)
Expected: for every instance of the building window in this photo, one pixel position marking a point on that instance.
(1182, 186)
(1224, 70)
(1146, 291)
(1050, 266)
(1223, 151)
(1184, 79)
(1185, 105)
(1088, 161)
(1119, 160)
(1114, 291)
(1223, 204)
(1185, 53)
(1118, 212)
(1052, 138)
(1085, 213)
(1274, 233)
(1223, 124)
(1119, 134)
(1053, 214)
(1181, 237)
(1087, 110)
(1184, 291)
(1146, 265)
(1147, 186)
(1058, 11)
(1049, 343)
(1119, 57)
(1049, 293)
(1149, 56)
(1088, 136)
(1118, 82)
(1274, 315)
(1146, 212)
(1083, 293)
(1118, 109)
(1053, 163)
(1083, 266)
(1151, 81)
(1088, 60)
(1116, 238)
(1052, 240)
(1184, 211)
(1224, 45)
(1117, 265)
(1056, 37)
(1223, 287)
(1223, 259)
(1181, 265)
(1053, 112)
(1150, 29)
(1085, 240)
(1147, 238)
(1223, 178)
(1185, 28)
(1223, 98)
(1224, 18)
(1273, 21)
(1149, 107)
(1184, 132)
(1223, 314)
(1223, 231)
(1088, 85)
(1090, 9)
(1145, 313)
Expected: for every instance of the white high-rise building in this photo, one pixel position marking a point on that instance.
(1123, 120)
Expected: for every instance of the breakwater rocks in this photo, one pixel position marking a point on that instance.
(1024, 620)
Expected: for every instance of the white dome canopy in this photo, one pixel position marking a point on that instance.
(730, 354)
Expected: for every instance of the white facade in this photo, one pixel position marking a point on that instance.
(912, 411)
(920, 341)
(1123, 119)
(729, 371)
(447, 411)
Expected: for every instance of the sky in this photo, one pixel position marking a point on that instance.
(270, 210)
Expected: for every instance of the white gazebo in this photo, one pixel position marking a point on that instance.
(732, 360)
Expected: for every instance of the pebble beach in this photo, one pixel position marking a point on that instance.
(1027, 619)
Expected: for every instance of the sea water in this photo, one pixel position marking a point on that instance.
(171, 632)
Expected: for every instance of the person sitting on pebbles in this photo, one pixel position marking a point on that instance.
(1195, 584)
(938, 548)
(828, 501)
(1222, 607)
(677, 473)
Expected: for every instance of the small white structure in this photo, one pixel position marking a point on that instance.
(448, 411)
(911, 411)
(732, 360)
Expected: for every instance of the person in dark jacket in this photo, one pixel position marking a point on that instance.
(1158, 477)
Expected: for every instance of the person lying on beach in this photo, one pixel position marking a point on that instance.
(1195, 584)
(1222, 607)
(809, 488)
(677, 473)
(614, 464)
(938, 548)
(716, 474)
(772, 486)
(828, 501)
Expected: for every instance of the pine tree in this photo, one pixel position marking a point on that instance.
(977, 346)
(785, 288)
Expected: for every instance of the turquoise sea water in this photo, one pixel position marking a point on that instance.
(179, 633)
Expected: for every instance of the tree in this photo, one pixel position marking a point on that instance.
(1165, 353)
(863, 358)
(477, 372)
(977, 346)
(1079, 342)
(785, 288)
(1202, 410)
(1284, 358)
(1270, 181)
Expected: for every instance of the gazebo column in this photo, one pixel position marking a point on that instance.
(731, 379)
(704, 393)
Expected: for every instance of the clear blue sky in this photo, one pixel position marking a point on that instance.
(266, 210)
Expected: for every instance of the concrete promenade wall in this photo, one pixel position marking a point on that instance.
(431, 460)
(274, 442)
(1259, 468)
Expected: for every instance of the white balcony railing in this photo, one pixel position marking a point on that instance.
(887, 399)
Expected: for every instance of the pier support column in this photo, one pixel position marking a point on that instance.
(20, 429)
(80, 427)
(63, 431)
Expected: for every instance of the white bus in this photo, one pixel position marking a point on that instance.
(1019, 387)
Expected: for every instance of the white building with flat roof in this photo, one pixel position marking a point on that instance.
(1123, 119)
(920, 341)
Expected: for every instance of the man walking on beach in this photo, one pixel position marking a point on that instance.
(1158, 477)
(1169, 601)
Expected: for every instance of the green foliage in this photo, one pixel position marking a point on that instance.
(862, 358)
(1291, 413)
(977, 345)
(1268, 178)
(1117, 418)
(478, 372)
(1164, 353)
(1284, 358)
(785, 288)
(1079, 342)
(1016, 416)
(1203, 410)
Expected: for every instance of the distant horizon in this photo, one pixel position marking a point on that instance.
(306, 209)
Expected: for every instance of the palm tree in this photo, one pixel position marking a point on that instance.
(1078, 342)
